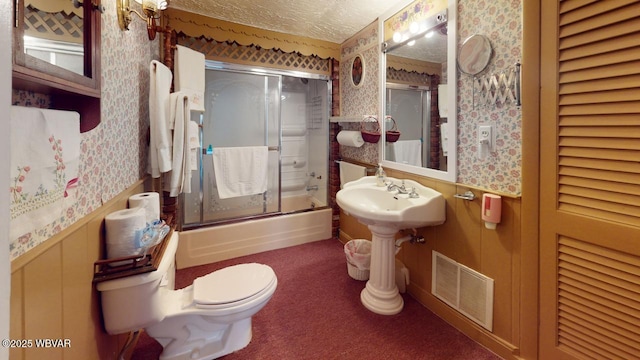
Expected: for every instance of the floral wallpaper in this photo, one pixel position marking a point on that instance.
(501, 22)
(112, 156)
(361, 99)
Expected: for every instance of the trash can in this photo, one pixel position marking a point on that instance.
(358, 252)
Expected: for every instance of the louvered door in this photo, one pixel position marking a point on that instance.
(590, 180)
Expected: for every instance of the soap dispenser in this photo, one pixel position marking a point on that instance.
(381, 176)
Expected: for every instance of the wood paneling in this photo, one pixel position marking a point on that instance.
(52, 294)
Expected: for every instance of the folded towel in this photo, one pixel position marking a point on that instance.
(350, 172)
(408, 152)
(45, 158)
(160, 143)
(189, 75)
(240, 171)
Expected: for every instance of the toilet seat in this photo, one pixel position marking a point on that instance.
(232, 286)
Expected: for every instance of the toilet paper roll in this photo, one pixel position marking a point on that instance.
(150, 202)
(124, 229)
(350, 138)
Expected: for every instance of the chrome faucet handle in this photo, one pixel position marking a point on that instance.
(390, 185)
(414, 194)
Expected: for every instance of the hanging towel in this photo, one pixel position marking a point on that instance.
(194, 144)
(408, 152)
(350, 172)
(179, 179)
(189, 75)
(160, 143)
(45, 155)
(240, 171)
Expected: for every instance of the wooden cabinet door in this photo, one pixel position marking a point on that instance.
(590, 180)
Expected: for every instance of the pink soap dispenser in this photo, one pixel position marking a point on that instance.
(491, 210)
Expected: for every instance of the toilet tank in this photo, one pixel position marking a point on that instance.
(135, 302)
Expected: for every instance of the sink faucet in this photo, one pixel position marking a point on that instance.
(402, 189)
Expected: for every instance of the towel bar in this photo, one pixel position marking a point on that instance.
(209, 149)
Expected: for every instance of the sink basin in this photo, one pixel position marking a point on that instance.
(385, 212)
(375, 205)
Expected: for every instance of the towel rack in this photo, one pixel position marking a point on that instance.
(209, 149)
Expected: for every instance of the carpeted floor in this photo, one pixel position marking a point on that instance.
(316, 313)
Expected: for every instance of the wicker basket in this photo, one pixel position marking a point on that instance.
(371, 133)
(392, 134)
(358, 251)
(356, 273)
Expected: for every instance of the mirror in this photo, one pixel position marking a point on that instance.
(419, 60)
(53, 32)
(475, 53)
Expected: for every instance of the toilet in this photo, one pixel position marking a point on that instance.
(206, 320)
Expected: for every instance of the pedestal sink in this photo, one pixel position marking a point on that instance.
(386, 212)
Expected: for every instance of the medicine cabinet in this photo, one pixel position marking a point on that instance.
(56, 51)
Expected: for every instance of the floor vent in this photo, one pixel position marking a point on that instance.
(464, 289)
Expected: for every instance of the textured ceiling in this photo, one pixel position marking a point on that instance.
(329, 20)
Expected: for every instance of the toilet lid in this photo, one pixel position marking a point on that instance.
(232, 284)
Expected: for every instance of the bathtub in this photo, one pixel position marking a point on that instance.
(221, 242)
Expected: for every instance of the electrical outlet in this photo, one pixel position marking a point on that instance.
(484, 134)
(486, 140)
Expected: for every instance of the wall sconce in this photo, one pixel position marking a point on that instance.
(150, 12)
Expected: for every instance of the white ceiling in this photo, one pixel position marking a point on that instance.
(329, 20)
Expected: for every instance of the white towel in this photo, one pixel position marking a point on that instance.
(189, 75)
(408, 152)
(240, 171)
(194, 144)
(160, 143)
(45, 157)
(179, 179)
(350, 172)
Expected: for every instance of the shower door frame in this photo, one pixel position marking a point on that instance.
(425, 101)
(246, 69)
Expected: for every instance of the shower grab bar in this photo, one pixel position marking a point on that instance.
(209, 150)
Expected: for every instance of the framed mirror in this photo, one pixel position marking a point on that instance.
(59, 38)
(419, 59)
(357, 70)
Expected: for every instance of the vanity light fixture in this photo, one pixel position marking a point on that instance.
(150, 12)
(418, 28)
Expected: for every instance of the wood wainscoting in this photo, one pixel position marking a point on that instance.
(52, 294)
(464, 238)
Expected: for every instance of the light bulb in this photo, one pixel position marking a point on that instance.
(414, 27)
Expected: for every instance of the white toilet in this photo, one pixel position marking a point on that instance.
(206, 320)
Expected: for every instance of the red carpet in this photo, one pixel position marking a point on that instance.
(316, 313)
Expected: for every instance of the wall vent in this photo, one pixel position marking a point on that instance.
(464, 289)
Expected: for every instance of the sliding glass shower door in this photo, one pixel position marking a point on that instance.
(241, 109)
